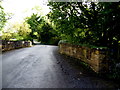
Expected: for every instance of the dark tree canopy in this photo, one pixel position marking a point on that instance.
(89, 23)
(45, 33)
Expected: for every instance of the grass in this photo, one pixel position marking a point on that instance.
(84, 45)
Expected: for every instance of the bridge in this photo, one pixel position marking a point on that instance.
(41, 66)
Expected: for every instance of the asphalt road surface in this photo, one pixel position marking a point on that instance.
(41, 66)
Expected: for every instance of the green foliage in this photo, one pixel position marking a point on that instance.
(2, 17)
(88, 23)
(47, 34)
(94, 25)
(85, 45)
(18, 31)
(42, 30)
(34, 22)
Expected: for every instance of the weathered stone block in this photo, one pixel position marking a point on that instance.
(9, 45)
(97, 59)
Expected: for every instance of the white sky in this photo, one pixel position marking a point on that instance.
(23, 8)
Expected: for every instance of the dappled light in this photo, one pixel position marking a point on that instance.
(86, 32)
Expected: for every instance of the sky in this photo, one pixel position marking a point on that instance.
(23, 8)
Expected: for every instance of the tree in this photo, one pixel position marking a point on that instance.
(89, 23)
(18, 31)
(2, 17)
(110, 23)
(34, 22)
(47, 34)
(44, 31)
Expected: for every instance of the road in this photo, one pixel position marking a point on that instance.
(41, 66)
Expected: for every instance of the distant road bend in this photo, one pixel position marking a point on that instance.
(41, 66)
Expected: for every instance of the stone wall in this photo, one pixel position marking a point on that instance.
(96, 58)
(10, 45)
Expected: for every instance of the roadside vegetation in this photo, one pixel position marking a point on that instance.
(90, 24)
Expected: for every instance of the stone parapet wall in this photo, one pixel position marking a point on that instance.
(96, 58)
(10, 45)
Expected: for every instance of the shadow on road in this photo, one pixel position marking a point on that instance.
(75, 69)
